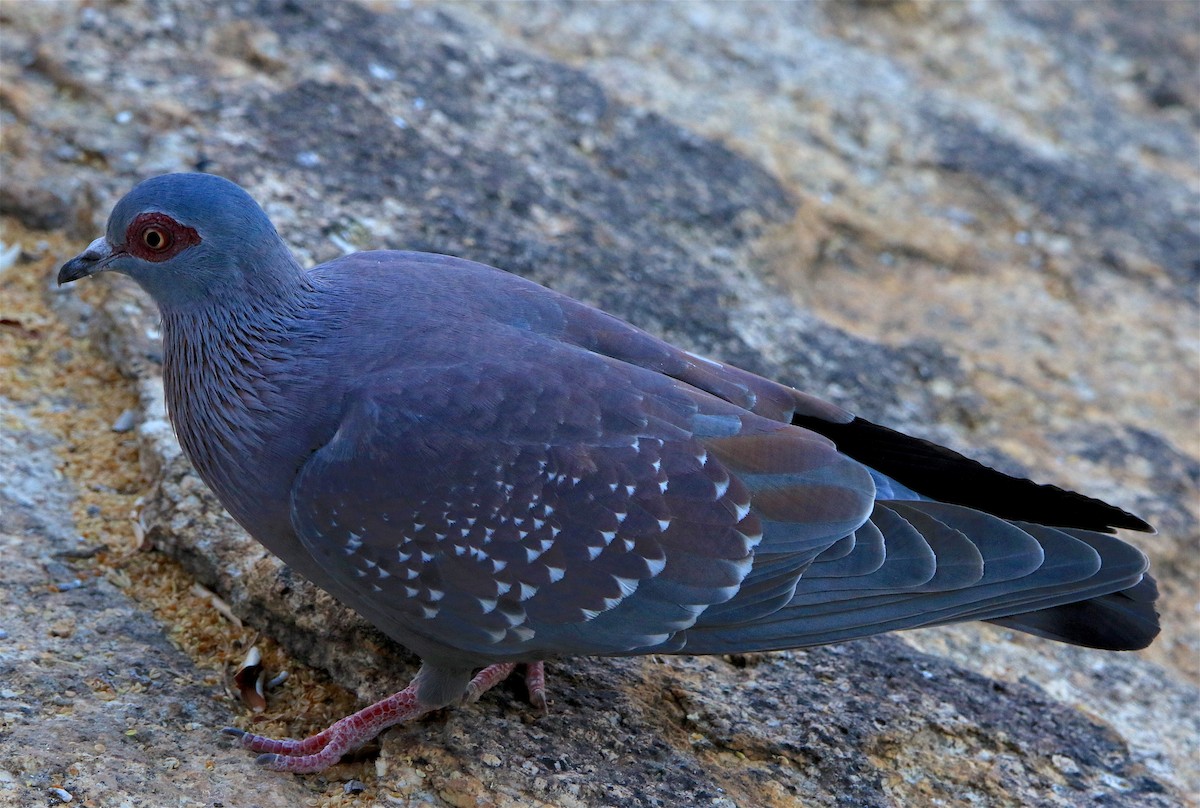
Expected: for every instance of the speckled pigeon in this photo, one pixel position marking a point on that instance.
(495, 474)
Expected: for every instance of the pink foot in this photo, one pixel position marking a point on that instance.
(489, 677)
(535, 683)
(327, 747)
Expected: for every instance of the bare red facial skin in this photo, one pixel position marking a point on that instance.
(157, 237)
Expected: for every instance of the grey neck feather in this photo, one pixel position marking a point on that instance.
(225, 373)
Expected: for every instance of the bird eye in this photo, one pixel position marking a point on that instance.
(156, 239)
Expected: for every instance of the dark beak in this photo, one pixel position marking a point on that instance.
(92, 260)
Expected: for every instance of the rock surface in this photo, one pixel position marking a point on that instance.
(972, 221)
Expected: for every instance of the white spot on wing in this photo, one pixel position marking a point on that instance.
(495, 635)
(522, 633)
(513, 619)
(628, 585)
(752, 539)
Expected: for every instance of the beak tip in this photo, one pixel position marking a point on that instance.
(88, 262)
(72, 271)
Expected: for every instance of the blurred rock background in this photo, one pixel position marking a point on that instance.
(974, 221)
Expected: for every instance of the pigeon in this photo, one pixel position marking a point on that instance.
(495, 474)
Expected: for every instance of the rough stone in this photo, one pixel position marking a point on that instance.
(974, 221)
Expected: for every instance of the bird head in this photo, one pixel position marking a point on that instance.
(188, 240)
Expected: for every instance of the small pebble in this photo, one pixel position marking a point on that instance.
(124, 421)
(62, 794)
(380, 72)
(353, 787)
(1065, 764)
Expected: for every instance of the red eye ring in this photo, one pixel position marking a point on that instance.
(156, 237)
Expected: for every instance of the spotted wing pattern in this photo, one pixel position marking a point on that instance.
(554, 481)
(560, 503)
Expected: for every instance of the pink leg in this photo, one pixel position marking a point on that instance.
(489, 677)
(535, 682)
(486, 679)
(326, 748)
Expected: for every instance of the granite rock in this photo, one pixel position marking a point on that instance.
(973, 222)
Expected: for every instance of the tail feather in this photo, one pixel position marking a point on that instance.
(945, 475)
(1119, 621)
(1075, 586)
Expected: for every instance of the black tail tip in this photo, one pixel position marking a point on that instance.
(1119, 621)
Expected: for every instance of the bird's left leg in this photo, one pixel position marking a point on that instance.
(327, 747)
